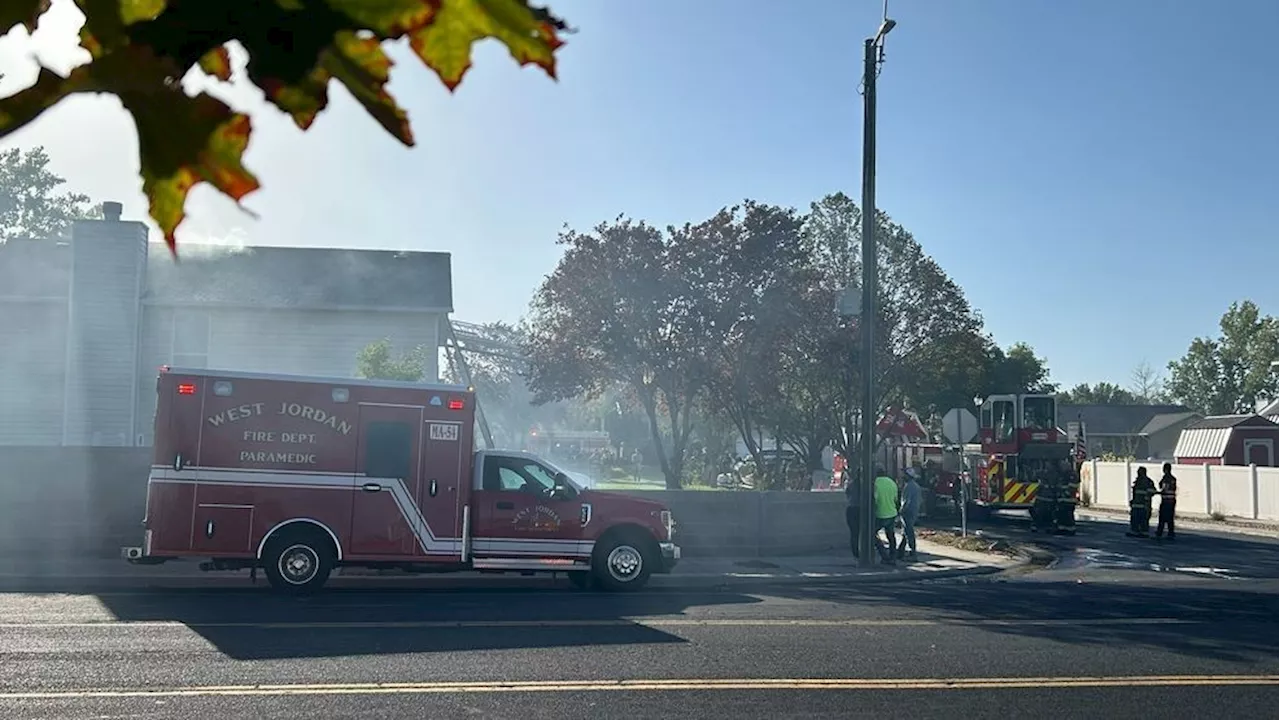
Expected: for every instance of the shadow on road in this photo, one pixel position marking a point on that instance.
(253, 624)
(1104, 545)
(1222, 623)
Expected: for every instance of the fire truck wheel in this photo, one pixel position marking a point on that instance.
(298, 563)
(620, 561)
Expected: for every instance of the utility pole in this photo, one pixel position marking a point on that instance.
(873, 56)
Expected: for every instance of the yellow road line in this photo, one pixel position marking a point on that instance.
(695, 684)
(611, 622)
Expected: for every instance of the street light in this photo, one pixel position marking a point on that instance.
(873, 55)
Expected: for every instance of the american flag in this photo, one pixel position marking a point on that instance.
(1082, 446)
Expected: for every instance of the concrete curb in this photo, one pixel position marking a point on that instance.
(1189, 523)
(675, 581)
(850, 579)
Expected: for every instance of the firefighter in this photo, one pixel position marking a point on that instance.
(1168, 500)
(1140, 505)
(1043, 510)
(1068, 490)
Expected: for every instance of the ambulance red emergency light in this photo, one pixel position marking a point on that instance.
(301, 475)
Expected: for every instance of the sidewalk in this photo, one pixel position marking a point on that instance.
(1239, 526)
(935, 561)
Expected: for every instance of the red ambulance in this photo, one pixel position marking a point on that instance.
(301, 475)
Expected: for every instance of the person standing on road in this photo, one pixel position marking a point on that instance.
(853, 508)
(886, 496)
(911, 495)
(1168, 502)
(1140, 504)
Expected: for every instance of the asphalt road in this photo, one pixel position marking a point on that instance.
(1084, 642)
(1101, 545)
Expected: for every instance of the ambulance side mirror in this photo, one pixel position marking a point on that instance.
(563, 488)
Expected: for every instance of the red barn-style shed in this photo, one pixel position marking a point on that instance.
(1229, 440)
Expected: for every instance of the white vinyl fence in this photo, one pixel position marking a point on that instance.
(1242, 491)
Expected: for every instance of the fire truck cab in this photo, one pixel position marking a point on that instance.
(1022, 446)
(299, 476)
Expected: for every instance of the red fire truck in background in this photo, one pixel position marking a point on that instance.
(301, 475)
(1021, 442)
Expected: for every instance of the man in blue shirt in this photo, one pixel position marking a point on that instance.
(911, 497)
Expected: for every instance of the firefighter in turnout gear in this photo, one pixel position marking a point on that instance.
(1140, 505)
(1068, 495)
(1044, 509)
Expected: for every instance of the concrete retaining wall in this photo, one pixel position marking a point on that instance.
(1242, 491)
(75, 502)
(68, 502)
(749, 524)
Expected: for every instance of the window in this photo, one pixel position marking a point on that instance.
(388, 450)
(1004, 416)
(1039, 413)
(517, 475)
(190, 347)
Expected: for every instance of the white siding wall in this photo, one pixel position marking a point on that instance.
(1238, 491)
(108, 267)
(304, 342)
(33, 334)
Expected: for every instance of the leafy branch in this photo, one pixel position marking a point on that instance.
(141, 49)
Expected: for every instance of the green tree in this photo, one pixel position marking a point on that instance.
(919, 310)
(620, 308)
(140, 51)
(754, 263)
(1233, 372)
(376, 361)
(1020, 370)
(1103, 393)
(31, 206)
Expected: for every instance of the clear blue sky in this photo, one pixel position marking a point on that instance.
(1100, 177)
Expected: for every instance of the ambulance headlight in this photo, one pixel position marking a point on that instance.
(668, 524)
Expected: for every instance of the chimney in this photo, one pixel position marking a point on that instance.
(111, 211)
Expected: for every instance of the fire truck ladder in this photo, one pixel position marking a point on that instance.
(463, 338)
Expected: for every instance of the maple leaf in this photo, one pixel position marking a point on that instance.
(445, 44)
(21, 12)
(359, 64)
(217, 62)
(141, 49)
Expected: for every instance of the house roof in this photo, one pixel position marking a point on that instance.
(1214, 422)
(34, 268)
(280, 277)
(292, 277)
(1166, 420)
(1115, 419)
(1205, 442)
(1209, 437)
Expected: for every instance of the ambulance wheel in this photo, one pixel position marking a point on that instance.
(298, 563)
(621, 562)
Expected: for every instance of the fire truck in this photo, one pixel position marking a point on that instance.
(1021, 445)
(298, 476)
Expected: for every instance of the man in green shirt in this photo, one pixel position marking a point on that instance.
(886, 497)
